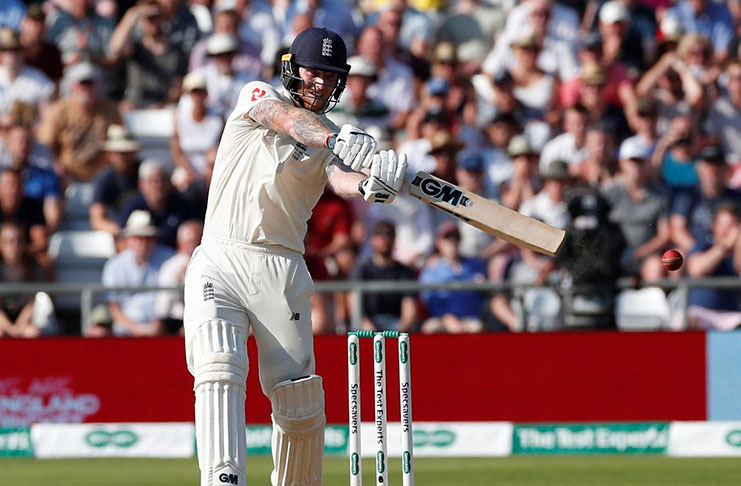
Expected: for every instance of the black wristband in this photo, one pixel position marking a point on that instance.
(360, 187)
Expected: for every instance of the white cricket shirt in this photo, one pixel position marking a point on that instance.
(265, 184)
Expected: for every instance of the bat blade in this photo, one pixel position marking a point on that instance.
(487, 215)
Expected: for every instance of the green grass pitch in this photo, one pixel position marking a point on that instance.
(511, 471)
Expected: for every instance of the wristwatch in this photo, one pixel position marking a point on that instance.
(331, 140)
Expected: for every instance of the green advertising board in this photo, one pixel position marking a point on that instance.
(259, 436)
(16, 441)
(636, 438)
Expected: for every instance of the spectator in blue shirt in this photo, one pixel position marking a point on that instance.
(720, 257)
(40, 183)
(12, 13)
(133, 313)
(449, 311)
(693, 208)
(712, 19)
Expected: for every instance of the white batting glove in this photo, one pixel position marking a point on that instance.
(387, 175)
(354, 147)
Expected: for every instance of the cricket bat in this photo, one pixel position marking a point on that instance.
(486, 215)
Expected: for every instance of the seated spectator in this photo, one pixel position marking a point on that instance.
(695, 51)
(167, 208)
(641, 209)
(525, 181)
(674, 156)
(247, 59)
(645, 125)
(40, 183)
(469, 175)
(692, 209)
(569, 146)
(618, 42)
(497, 164)
(38, 52)
(19, 82)
(15, 207)
(444, 148)
(549, 205)
(75, 128)
(711, 19)
(724, 119)
(197, 129)
(133, 313)
(117, 183)
(592, 97)
(423, 126)
(169, 305)
(600, 166)
(80, 33)
(535, 89)
(391, 311)
(449, 311)
(356, 107)
(19, 314)
(720, 256)
(154, 43)
(197, 193)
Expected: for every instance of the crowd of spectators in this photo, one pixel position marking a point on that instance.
(619, 121)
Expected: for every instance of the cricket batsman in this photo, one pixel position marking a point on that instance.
(277, 153)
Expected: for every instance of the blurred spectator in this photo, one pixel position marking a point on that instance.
(674, 155)
(80, 33)
(395, 85)
(197, 193)
(28, 213)
(418, 145)
(223, 81)
(444, 148)
(589, 284)
(169, 305)
(406, 33)
(116, 183)
(592, 97)
(693, 208)
(446, 66)
(247, 59)
(19, 82)
(356, 107)
(38, 52)
(549, 205)
(11, 14)
(696, 52)
(724, 118)
(20, 315)
(19, 152)
(335, 15)
(165, 206)
(469, 175)
(712, 308)
(569, 146)
(599, 166)
(647, 135)
(259, 27)
(386, 311)
(709, 18)
(497, 164)
(534, 89)
(452, 311)
(619, 43)
(641, 209)
(75, 127)
(154, 40)
(197, 128)
(525, 182)
(134, 314)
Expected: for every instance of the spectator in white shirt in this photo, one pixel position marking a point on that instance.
(568, 146)
(19, 82)
(550, 205)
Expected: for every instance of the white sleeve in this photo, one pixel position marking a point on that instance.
(251, 94)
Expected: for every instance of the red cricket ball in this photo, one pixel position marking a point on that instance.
(672, 260)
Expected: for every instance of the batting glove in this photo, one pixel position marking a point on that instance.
(387, 175)
(353, 147)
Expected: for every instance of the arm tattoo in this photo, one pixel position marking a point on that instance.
(303, 125)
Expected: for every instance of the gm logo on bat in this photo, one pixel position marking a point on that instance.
(442, 192)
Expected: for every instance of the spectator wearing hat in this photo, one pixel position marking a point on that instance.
(247, 58)
(525, 181)
(592, 97)
(569, 146)
(693, 208)
(549, 205)
(469, 175)
(719, 256)
(497, 164)
(19, 152)
(117, 182)
(38, 52)
(444, 148)
(197, 129)
(356, 107)
(393, 311)
(446, 66)
(80, 33)
(724, 119)
(75, 127)
(134, 313)
(19, 82)
(535, 89)
(156, 196)
(641, 209)
(600, 166)
(450, 311)
(155, 56)
(712, 19)
(619, 41)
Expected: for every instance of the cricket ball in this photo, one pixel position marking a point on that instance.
(672, 260)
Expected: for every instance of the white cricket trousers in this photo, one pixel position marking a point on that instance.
(230, 289)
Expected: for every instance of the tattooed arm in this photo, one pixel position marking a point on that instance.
(303, 125)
